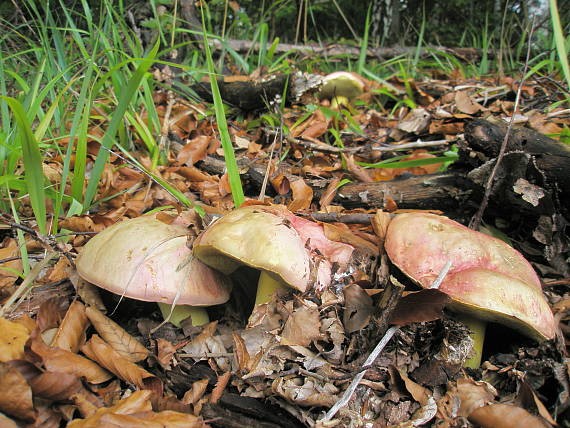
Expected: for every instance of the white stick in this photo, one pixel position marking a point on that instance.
(352, 387)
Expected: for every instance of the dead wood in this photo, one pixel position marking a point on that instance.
(435, 191)
(247, 95)
(551, 157)
(242, 46)
(236, 411)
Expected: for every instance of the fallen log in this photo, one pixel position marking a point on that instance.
(435, 191)
(312, 49)
(535, 166)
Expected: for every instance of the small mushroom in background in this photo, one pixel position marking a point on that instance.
(341, 87)
(289, 251)
(146, 259)
(488, 279)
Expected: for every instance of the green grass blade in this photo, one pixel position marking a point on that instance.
(561, 47)
(229, 155)
(116, 120)
(32, 162)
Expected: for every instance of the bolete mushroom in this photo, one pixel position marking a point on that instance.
(146, 259)
(488, 279)
(282, 246)
(341, 87)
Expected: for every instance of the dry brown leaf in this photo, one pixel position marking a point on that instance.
(194, 150)
(192, 173)
(112, 333)
(419, 306)
(465, 104)
(51, 313)
(316, 129)
(542, 410)
(138, 401)
(473, 394)
(56, 386)
(330, 192)
(15, 394)
(196, 392)
(221, 384)
(60, 360)
(9, 271)
(6, 422)
(199, 344)
(380, 222)
(358, 308)
(13, 337)
(86, 223)
(88, 292)
(341, 233)
(418, 392)
(56, 273)
(224, 187)
(71, 332)
(167, 418)
(302, 327)
(305, 391)
(415, 122)
(280, 184)
(105, 355)
(84, 403)
(498, 415)
(240, 351)
(302, 195)
(359, 172)
(166, 351)
(47, 417)
(27, 322)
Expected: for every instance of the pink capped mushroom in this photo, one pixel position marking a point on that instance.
(146, 259)
(488, 279)
(289, 251)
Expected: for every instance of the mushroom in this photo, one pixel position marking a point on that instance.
(488, 279)
(146, 259)
(341, 87)
(282, 246)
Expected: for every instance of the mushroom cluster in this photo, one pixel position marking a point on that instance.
(488, 279)
(146, 259)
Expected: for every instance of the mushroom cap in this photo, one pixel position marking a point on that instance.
(146, 259)
(342, 84)
(488, 278)
(273, 239)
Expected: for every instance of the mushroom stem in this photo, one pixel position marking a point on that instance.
(177, 314)
(477, 327)
(267, 285)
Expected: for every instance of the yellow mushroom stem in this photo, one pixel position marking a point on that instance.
(177, 314)
(267, 285)
(338, 101)
(477, 327)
